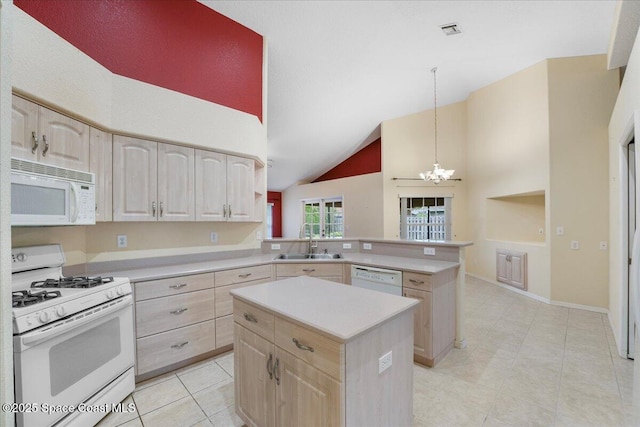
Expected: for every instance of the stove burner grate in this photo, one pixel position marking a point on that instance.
(26, 298)
(72, 282)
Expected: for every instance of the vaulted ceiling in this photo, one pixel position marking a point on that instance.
(337, 69)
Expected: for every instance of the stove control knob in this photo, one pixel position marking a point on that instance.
(44, 317)
(21, 257)
(60, 311)
(120, 291)
(111, 294)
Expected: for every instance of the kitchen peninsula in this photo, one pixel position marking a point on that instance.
(309, 350)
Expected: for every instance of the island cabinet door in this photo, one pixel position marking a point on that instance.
(253, 378)
(305, 396)
(422, 342)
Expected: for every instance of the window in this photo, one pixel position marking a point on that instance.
(269, 220)
(323, 218)
(425, 218)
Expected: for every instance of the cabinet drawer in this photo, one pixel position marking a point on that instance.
(173, 286)
(162, 314)
(417, 281)
(253, 318)
(241, 275)
(224, 301)
(318, 269)
(224, 331)
(326, 354)
(160, 350)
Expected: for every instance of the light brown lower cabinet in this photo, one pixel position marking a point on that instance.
(434, 321)
(276, 388)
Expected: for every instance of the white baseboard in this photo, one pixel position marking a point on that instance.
(511, 288)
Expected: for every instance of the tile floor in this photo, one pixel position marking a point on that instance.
(527, 364)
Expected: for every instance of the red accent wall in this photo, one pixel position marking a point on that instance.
(276, 198)
(367, 160)
(180, 45)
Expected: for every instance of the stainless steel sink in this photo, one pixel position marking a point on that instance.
(309, 256)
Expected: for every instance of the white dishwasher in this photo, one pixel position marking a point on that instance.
(377, 279)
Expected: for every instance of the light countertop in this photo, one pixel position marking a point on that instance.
(336, 310)
(419, 265)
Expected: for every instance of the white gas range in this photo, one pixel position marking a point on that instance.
(78, 331)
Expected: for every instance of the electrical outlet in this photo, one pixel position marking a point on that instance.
(430, 251)
(122, 241)
(366, 246)
(385, 362)
(560, 230)
(214, 237)
(575, 245)
(346, 246)
(603, 245)
(275, 246)
(258, 235)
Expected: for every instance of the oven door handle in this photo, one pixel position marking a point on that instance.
(36, 337)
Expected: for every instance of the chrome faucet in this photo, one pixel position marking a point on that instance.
(312, 243)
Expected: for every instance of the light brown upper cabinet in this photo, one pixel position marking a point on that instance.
(152, 181)
(100, 163)
(224, 187)
(42, 135)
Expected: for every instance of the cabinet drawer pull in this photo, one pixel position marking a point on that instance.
(46, 145)
(180, 345)
(250, 318)
(275, 371)
(244, 276)
(308, 270)
(302, 346)
(179, 311)
(34, 146)
(178, 286)
(269, 366)
(416, 282)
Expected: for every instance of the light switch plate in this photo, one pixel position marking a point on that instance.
(560, 230)
(603, 245)
(575, 245)
(275, 246)
(366, 246)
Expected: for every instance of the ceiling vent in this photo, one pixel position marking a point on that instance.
(450, 29)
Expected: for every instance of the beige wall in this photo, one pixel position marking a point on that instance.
(508, 154)
(582, 94)
(52, 71)
(408, 149)
(362, 201)
(625, 117)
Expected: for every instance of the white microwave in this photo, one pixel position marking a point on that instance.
(42, 194)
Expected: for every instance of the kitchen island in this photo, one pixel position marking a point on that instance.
(312, 352)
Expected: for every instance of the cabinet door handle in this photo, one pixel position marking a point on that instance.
(161, 209)
(34, 145)
(179, 311)
(416, 282)
(178, 286)
(405, 294)
(229, 211)
(46, 145)
(276, 368)
(224, 211)
(308, 270)
(180, 345)
(302, 346)
(269, 366)
(244, 276)
(250, 318)
(153, 208)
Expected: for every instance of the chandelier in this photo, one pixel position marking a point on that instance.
(438, 173)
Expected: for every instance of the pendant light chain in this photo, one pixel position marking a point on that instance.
(435, 112)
